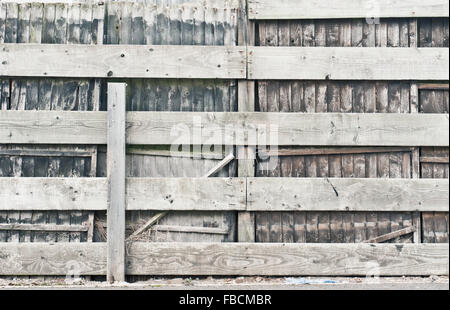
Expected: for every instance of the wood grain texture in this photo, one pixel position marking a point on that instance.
(201, 194)
(329, 9)
(286, 259)
(52, 127)
(53, 194)
(163, 128)
(142, 194)
(342, 63)
(229, 259)
(52, 259)
(291, 129)
(291, 194)
(124, 61)
(186, 194)
(116, 175)
(44, 227)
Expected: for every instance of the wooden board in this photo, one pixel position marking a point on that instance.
(52, 259)
(116, 175)
(201, 194)
(186, 194)
(142, 194)
(230, 259)
(177, 128)
(332, 194)
(61, 194)
(330, 9)
(124, 61)
(52, 127)
(344, 63)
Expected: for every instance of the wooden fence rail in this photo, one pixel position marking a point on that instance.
(348, 63)
(188, 259)
(245, 129)
(224, 128)
(122, 61)
(212, 62)
(236, 194)
(330, 9)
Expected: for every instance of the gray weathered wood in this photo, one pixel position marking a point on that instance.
(44, 227)
(147, 225)
(220, 165)
(61, 194)
(246, 103)
(122, 61)
(202, 194)
(246, 227)
(392, 235)
(342, 63)
(46, 153)
(191, 229)
(53, 127)
(331, 151)
(52, 259)
(116, 181)
(286, 259)
(186, 194)
(229, 259)
(332, 129)
(330, 9)
(66, 194)
(293, 129)
(334, 194)
(434, 159)
(167, 153)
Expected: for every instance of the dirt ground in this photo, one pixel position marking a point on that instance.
(241, 283)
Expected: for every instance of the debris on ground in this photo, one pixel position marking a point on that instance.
(302, 281)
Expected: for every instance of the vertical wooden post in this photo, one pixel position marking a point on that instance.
(116, 182)
(414, 104)
(246, 103)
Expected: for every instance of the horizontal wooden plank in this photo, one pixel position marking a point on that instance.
(186, 194)
(142, 194)
(319, 129)
(202, 194)
(222, 128)
(46, 153)
(191, 229)
(52, 127)
(334, 194)
(392, 235)
(433, 86)
(44, 227)
(331, 151)
(53, 194)
(61, 1)
(347, 63)
(189, 259)
(286, 259)
(327, 9)
(123, 61)
(165, 152)
(185, 3)
(434, 159)
(52, 259)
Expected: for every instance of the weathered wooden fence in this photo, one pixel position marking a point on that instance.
(330, 133)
